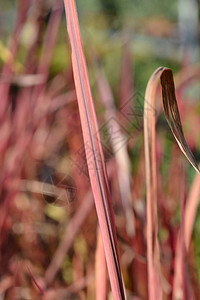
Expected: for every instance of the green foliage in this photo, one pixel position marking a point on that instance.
(138, 8)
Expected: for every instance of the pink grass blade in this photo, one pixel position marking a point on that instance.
(94, 154)
(178, 278)
(191, 210)
(36, 282)
(70, 232)
(182, 285)
(153, 251)
(100, 269)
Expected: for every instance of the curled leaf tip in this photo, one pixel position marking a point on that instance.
(172, 115)
(158, 70)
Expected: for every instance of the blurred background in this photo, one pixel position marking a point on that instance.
(165, 32)
(48, 224)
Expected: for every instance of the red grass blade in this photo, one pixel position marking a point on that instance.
(94, 153)
(191, 210)
(36, 282)
(100, 269)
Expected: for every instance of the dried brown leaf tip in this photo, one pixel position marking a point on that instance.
(155, 278)
(172, 114)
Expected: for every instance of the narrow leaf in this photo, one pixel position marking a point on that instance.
(94, 153)
(100, 269)
(153, 251)
(191, 210)
(173, 118)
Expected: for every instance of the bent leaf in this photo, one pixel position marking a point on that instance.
(171, 111)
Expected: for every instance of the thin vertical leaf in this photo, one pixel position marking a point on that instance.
(100, 269)
(153, 251)
(94, 153)
(191, 210)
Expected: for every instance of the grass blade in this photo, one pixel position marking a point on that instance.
(191, 210)
(153, 251)
(100, 269)
(94, 153)
(173, 118)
